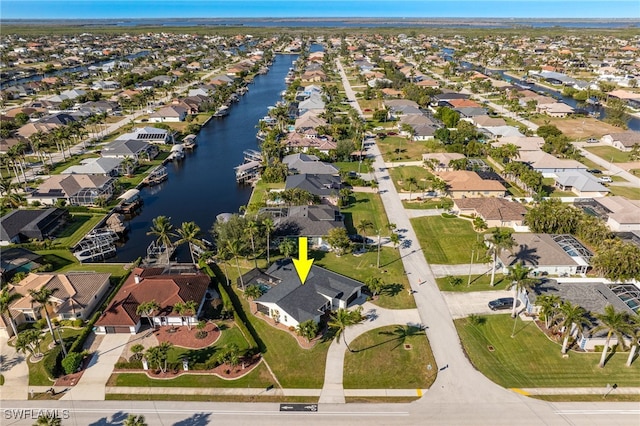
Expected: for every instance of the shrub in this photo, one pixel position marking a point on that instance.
(78, 322)
(52, 362)
(72, 362)
(41, 324)
(131, 365)
(201, 334)
(475, 319)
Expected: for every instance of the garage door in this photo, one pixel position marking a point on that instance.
(120, 329)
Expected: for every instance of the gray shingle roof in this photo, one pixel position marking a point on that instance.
(321, 185)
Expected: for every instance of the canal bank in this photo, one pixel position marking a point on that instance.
(203, 185)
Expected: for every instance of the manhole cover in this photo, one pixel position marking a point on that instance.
(491, 348)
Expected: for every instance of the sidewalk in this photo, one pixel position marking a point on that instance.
(15, 370)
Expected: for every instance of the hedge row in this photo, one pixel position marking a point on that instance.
(52, 362)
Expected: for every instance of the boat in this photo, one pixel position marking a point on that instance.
(157, 176)
(261, 136)
(177, 153)
(189, 142)
(222, 111)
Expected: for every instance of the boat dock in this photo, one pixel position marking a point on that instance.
(157, 176)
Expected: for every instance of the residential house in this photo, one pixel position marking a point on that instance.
(138, 149)
(105, 166)
(621, 214)
(548, 164)
(397, 108)
(309, 120)
(166, 286)
(170, 113)
(310, 139)
(556, 109)
(624, 141)
(290, 303)
(524, 143)
(581, 183)
(308, 164)
(312, 103)
(496, 212)
(314, 222)
(326, 187)
(74, 189)
(20, 226)
(152, 135)
(422, 128)
(560, 255)
(75, 296)
(468, 184)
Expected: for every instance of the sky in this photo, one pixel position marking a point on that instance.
(116, 9)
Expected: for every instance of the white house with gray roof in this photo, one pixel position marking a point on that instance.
(289, 302)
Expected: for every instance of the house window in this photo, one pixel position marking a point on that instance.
(286, 319)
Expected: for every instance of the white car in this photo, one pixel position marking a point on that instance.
(605, 179)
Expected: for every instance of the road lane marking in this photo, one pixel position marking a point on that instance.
(520, 391)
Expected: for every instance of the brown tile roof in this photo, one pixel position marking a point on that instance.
(166, 289)
(493, 208)
(463, 180)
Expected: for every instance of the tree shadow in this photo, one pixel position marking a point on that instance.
(198, 419)
(520, 328)
(392, 289)
(7, 364)
(116, 419)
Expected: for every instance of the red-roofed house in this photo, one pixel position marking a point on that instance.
(165, 286)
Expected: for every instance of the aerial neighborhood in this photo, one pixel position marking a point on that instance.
(470, 200)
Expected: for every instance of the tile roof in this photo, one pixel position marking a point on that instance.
(493, 208)
(464, 180)
(166, 287)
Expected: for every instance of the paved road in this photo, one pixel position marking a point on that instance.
(14, 368)
(611, 168)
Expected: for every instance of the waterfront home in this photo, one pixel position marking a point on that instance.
(309, 139)
(138, 149)
(313, 103)
(74, 189)
(326, 187)
(308, 164)
(314, 222)
(170, 113)
(164, 285)
(17, 259)
(546, 254)
(309, 120)
(556, 109)
(75, 296)
(496, 212)
(468, 184)
(288, 302)
(624, 141)
(20, 226)
(96, 166)
(149, 134)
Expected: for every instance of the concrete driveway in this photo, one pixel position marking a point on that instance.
(464, 304)
(13, 367)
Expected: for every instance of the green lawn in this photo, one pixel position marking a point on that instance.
(231, 334)
(420, 174)
(531, 360)
(409, 150)
(478, 283)
(73, 161)
(364, 266)
(609, 153)
(429, 203)
(445, 240)
(80, 224)
(380, 360)
(258, 378)
(365, 206)
(259, 195)
(37, 374)
(625, 191)
(353, 166)
(64, 261)
(293, 366)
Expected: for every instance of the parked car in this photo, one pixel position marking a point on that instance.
(592, 140)
(357, 238)
(502, 303)
(595, 171)
(605, 179)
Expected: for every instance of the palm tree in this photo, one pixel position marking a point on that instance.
(163, 229)
(6, 300)
(498, 242)
(189, 233)
(253, 292)
(146, 309)
(48, 420)
(29, 341)
(43, 297)
(573, 316)
(287, 247)
(363, 226)
(635, 339)
(519, 277)
(234, 248)
(251, 229)
(128, 165)
(188, 307)
(308, 329)
(341, 319)
(269, 227)
(375, 285)
(615, 323)
(549, 306)
(134, 420)
(411, 181)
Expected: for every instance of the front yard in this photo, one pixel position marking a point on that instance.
(365, 206)
(531, 360)
(398, 148)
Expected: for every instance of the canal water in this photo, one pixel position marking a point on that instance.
(203, 185)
